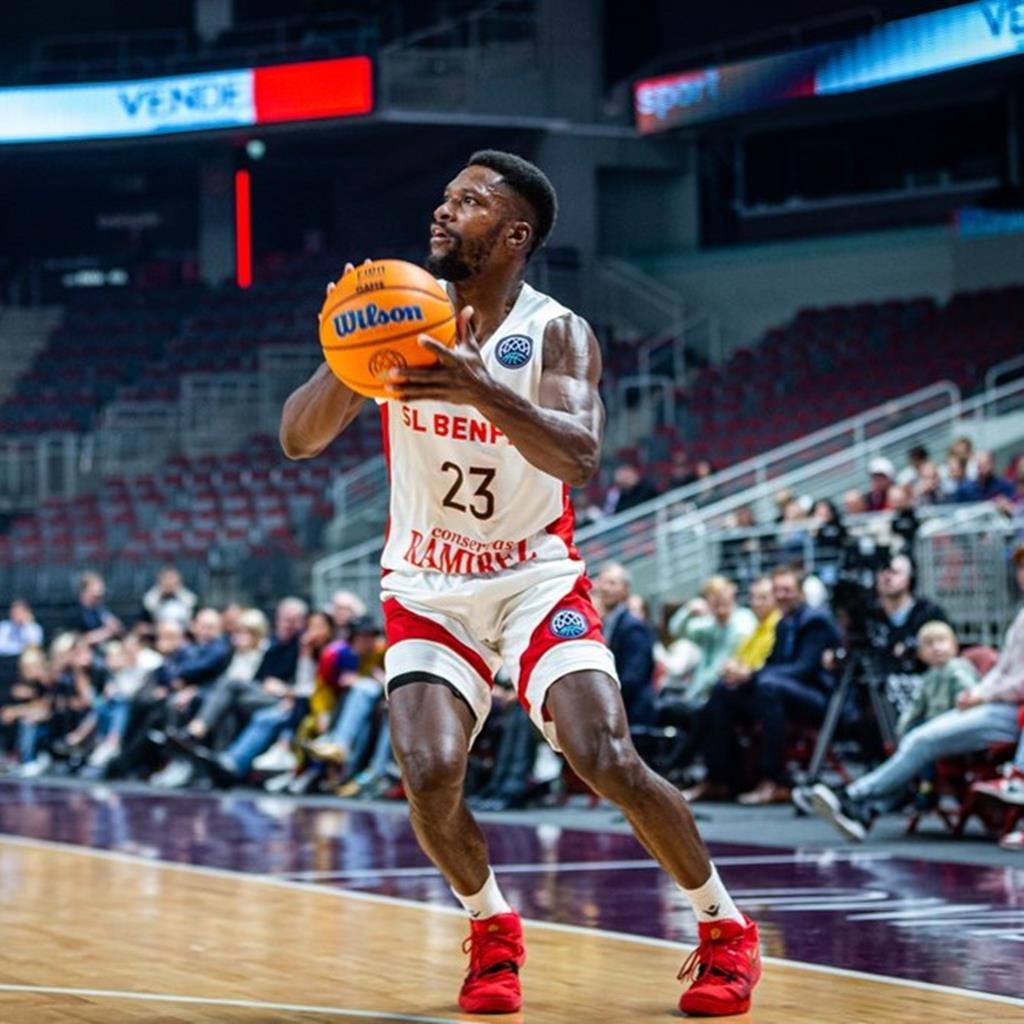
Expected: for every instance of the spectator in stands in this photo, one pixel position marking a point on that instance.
(268, 723)
(947, 677)
(987, 713)
(169, 598)
(629, 489)
(94, 619)
(345, 606)
(917, 459)
(904, 523)
(717, 626)
(19, 630)
(987, 484)
(176, 690)
(249, 642)
(793, 538)
(892, 625)
(1014, 505)
(681, 472)
(361, 679)
(781, 500)
(64, 704)
(793, 685)
(230, 618)
(30, 687)
(882, 474)
(743, 661)
(927, 489)
(509, 782)
(273, 679)
(130, 663)
(1009, 790)
(829, 540)
(953, 476)
(742, 554)
(707, 492)
(630, 642)
(854, 504)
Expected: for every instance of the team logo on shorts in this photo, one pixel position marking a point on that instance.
(567, 624)
(514, 351)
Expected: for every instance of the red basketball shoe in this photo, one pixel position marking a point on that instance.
(725, 967)
(496, 952)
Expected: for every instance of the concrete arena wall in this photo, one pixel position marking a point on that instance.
(754, 288)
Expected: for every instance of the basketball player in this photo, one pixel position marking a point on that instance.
(479, 571)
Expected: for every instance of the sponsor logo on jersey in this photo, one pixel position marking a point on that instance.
(514, 351)
(568, 624)
(372, 315)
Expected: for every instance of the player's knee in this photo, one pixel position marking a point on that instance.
(609, 764)
(429, 771)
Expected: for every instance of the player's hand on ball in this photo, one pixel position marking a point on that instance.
(459, 376)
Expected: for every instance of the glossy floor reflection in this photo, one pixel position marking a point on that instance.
(950, 924)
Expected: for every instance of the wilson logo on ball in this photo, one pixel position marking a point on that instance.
(372, 315)
(514, 351)
(567, 624)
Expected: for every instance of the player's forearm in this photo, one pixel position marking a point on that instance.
(316, 413)
(555, 442)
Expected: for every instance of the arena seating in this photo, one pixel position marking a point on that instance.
(137, 344)
(827, 364)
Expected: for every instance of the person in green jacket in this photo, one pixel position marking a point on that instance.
(947, 677)
(717, 626)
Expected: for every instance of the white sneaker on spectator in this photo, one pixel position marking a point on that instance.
(278, 783)
(174, 776)
(278, 758)
(1009, 790)
(1013, 841)
(33, 769)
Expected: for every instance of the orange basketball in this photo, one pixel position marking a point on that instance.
(372, 318)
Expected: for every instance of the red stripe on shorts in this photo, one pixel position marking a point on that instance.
(544, 637)
(402, 624)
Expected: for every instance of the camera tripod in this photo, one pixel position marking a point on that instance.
(858, 668)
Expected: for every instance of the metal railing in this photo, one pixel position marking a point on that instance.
(627, 297)
(660, 540)
(468, 63)
(1001, 373)
(651, 534)
(360, 498)
(216, 410)
(963, 564)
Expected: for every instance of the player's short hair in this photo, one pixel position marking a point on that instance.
(528, 181)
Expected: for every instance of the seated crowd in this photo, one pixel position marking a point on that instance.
(719, 699)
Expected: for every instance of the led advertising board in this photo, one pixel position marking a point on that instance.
(188, 103)
(897, 51)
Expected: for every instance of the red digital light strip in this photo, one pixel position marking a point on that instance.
(243, 229)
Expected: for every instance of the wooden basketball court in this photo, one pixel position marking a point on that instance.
(95, 936)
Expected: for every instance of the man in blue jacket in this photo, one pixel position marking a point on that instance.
(630, 642)
(794, 685)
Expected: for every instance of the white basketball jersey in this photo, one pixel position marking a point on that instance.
(463, 500)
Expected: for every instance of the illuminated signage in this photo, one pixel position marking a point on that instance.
(188, 103)
(897, 51)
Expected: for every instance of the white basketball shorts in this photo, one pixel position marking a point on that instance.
(536, 619)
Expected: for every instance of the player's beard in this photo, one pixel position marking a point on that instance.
(462, 261)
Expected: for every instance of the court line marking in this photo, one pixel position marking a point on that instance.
(569, 929)
(242, 1004)
(542, 867)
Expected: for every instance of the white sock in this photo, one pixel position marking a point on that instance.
(711, 901)
(485, 903)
